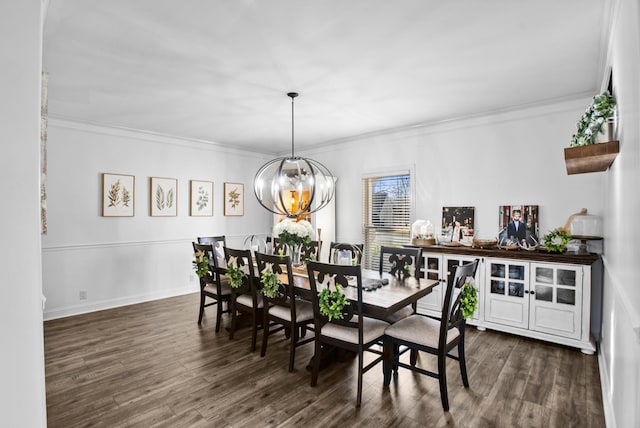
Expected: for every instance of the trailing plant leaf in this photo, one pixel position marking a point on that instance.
(593, 119)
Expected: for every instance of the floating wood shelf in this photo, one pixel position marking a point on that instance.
(591, 158)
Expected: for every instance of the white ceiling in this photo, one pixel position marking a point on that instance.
(219, 70)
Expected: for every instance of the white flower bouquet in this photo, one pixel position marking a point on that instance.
(294, 233)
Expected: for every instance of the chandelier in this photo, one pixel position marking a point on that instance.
(293, 186)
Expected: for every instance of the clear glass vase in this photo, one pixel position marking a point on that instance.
(294, 253)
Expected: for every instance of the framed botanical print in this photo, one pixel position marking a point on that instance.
(163, 197)
(233, 199)
(118, 195)
(201, 198)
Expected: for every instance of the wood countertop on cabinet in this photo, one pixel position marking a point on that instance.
(537, 255)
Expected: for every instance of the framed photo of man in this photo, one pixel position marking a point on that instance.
(519, 224)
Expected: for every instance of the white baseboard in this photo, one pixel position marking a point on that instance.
(114, 303)
(609, 416)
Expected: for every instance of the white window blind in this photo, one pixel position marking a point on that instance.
(386, 214)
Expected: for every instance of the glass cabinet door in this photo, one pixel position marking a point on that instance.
(556, 299)
(431, 304)
(507, 294)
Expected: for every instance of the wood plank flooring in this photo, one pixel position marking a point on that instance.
(151, 365)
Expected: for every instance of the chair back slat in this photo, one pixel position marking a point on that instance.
(281, 266)
(244, 261)
(218, 243)
(326, 275)
(401, 262)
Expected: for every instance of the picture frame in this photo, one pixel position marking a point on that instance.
(118, 195)
(233, 199)
(163, 197)
(201, 198)
(530, 218)
(457, 224)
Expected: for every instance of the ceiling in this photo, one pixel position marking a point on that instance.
(219, 70)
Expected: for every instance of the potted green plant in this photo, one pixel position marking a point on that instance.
(584, 155)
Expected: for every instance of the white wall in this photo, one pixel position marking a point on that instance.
(22, 385)
(126, 260)
(484, 162)
(620, 347)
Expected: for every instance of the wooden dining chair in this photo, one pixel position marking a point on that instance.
(355, 250)
(284, 309)
(311, 251)
(278, 247)
(213, 286)
(245, 298)
(354, 332)
(437, 337)
(218, 242)
(401, 262)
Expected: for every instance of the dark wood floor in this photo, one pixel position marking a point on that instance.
(152, 365)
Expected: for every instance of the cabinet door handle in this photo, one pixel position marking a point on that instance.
(526, 291)
(532, 292)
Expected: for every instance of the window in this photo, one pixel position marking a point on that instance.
(386, 214)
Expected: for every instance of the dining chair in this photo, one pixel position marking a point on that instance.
(213, 285)
(245, 298)
(354, 331)
(283, 307)
(278, 247)
(401, 262)
(437, 337)
(311, 251)
(218, 242)
(355, 251)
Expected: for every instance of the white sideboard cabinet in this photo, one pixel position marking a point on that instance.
(552, 297)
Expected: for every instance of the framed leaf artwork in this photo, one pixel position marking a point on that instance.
(118, 195)
(201, 198)
(163, 197)
(233, 199)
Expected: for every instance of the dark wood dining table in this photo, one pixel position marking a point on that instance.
(383, 301)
